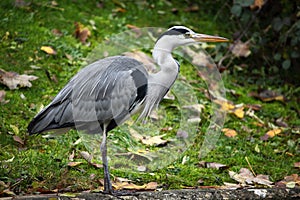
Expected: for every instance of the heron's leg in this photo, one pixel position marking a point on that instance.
(103, 148)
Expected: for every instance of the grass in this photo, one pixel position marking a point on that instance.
(41, 165)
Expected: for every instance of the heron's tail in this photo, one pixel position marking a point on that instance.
(53, 117)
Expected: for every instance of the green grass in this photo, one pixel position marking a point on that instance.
(42, 164)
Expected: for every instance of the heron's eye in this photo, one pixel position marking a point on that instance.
(187, 35)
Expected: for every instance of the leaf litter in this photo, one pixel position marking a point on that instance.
(14, 80)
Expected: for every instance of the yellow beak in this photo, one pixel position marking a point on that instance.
(207, 38)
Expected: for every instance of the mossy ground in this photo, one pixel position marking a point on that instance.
(43, 163)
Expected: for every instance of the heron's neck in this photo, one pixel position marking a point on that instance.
(162, 54)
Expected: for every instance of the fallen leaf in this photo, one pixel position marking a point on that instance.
(13, 80)
(155, 140)
(15, 129)
(71, 157)
(56, 32)
(255, 107)
(212, 165)
(132, 186)
(120, 10)
(49, 50)
(8, 192)
(135, 134)
(88, 157)
(192, 8)
(246, 177)
(169, 128)
(231, 186)
(9, 160)
(281, 123)
(268, 95)
(297, 165)
(290, 181)
(229, 132)
(74, 164)
(120, 179)
(18, 139)
(257, 4)
(272, 133)
(240, 49)
(82, 33)
(237, 110)
(2, 97)
(141, 168)
(195, 108)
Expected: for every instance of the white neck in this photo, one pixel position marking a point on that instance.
(162, 54)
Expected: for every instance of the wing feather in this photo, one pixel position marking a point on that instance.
(104, 92)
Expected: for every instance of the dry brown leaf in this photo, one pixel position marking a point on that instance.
(257, 4)
(88, 157)
(195, 108)
(132, 186)
(135, 134)
(290, 181)
(255, 107)
(246, 177)
(82, 33)
(213, 165)
(74, 164)
(13, 80)
(297, 165)
(192, 8)
(155, 140)
(71, 157)
(281, 123)
(18, 139)
(56, 32)
(272, 133)
(229, 132)
(240, 49)
(268, 95)
(49, 50)
(120, 10)
(2, 97)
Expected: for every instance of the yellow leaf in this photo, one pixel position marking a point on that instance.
(48, 50)
(272, 133)
(155, 140)
(73, 164)
(239, 112)
(257, 4)
(225, 105)
(15, 129)
(229, 132)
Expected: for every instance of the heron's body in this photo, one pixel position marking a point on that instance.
(104, 94)
(86, 101)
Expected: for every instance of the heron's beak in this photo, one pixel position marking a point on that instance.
(207, 38)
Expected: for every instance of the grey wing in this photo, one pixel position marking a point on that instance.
(104, 92)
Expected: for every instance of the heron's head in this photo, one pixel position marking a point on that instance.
(181, 35)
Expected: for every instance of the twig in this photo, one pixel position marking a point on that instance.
(250, 166)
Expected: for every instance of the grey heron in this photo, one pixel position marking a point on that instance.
(105, 93)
